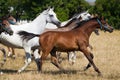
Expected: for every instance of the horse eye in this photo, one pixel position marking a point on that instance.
(51, 15)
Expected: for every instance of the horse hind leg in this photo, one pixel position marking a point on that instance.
(27, 61)
(72, 57)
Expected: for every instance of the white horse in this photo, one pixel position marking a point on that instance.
(37, 26)
(84, 15)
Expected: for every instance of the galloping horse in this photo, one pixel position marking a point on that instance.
(74, 40)
(65, 27)
(51, 27)
(37, 26)
(4, 27)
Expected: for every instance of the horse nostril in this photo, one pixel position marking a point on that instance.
(11, 32)
(59, 23)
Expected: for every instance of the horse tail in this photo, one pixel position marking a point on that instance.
(27, 36)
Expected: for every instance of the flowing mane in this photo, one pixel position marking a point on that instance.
(74, 40)
(80, 24)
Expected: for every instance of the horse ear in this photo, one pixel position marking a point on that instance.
(52, 8)
(49, 8)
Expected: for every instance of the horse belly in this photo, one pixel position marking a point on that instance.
(68, 46)
(11, 41)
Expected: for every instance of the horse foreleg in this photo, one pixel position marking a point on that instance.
(89, 65)
(90, 59)
(54, 60)
(28, 60)
(43, 57)
(4, 56)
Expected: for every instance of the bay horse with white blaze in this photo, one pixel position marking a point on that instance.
(74, 40)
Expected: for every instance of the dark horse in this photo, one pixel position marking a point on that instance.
(4, 27)
(74, 40)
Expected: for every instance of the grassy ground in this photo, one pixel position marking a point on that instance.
(107, 58)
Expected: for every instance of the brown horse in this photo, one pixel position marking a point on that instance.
(69, 26)
(4, 27)
(74, 40)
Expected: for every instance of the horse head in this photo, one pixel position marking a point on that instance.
(85, 15)
(104, 25)
(5, 27)
(51, 17)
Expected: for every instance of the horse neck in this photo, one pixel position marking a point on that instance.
(39, 23)
(89, 27)
(65, 23)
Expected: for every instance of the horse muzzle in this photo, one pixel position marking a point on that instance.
(110, 30)
(58, 24)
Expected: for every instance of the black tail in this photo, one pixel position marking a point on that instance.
(27, 36)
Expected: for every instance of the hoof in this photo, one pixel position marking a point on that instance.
(19, 71)
(1, 73)
(84, 69)
(71, 63)
(99, 74)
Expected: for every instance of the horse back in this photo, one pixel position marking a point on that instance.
(60, 40)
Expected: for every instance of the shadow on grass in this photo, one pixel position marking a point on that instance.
(61, 72)
(9, 71)
(57, 72)
(72, 72)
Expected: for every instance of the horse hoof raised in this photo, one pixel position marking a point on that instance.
(1, 73)
(99, 74)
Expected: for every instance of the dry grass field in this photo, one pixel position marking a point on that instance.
(106, 56)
